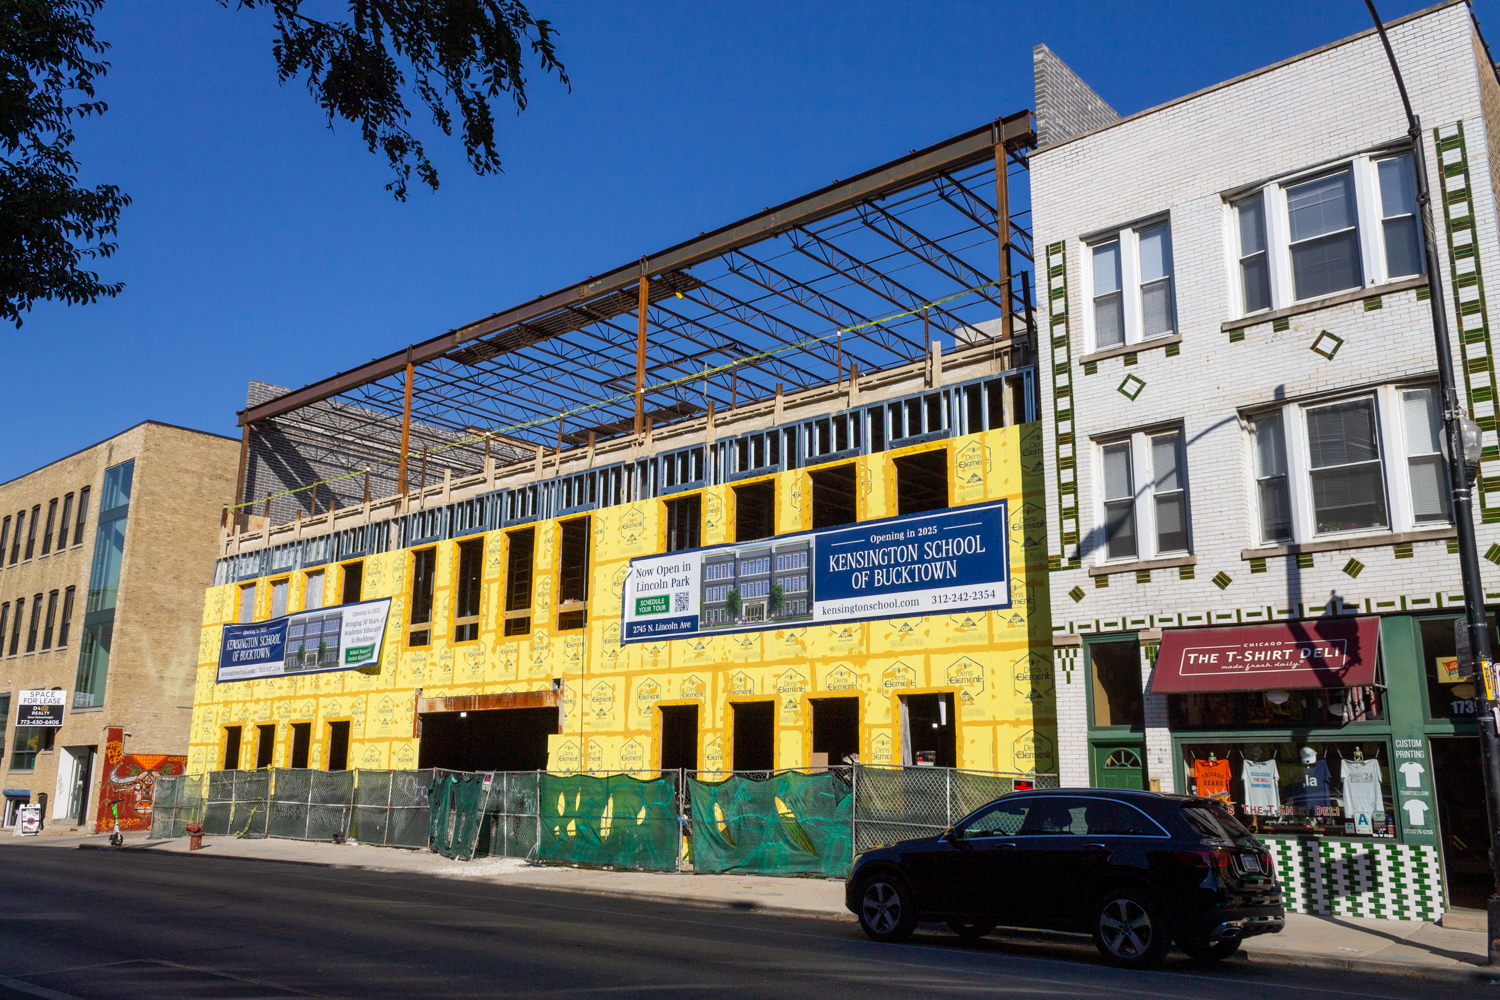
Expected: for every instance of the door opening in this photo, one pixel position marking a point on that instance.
(928, 733)
(1459, 789)
(338, 746)
(679, 737)
(497, 739)
(231, 748)
(265, 746)
(301, 743)
(754, 735)
(835, 728)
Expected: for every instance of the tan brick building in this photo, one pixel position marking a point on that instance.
(103, 558)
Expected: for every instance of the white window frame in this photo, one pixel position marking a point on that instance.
(1390, 429)
(1130, 284)
(1143, 474)
(1369, 216)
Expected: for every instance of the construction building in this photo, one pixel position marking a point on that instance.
(622, 513)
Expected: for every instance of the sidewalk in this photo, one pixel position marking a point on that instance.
(1352, 944)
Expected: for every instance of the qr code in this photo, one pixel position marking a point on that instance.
(680, 601)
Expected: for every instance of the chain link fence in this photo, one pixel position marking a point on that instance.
(898, 803)
(777, 822)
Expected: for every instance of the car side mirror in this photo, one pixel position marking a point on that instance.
(954, 837)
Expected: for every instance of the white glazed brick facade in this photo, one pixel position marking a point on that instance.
(1180, 159)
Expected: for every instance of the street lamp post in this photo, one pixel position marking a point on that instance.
(1462, 447)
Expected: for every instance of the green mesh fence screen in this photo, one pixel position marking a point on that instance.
(788, 824)
(457, 803)
(615, 820)
(177, 801)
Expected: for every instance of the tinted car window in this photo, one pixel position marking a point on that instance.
(1055, 817)
(1213, 822)
(1003, 819)
(1103, 817)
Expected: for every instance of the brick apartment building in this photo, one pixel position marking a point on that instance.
(1242, 422)
(102, 558)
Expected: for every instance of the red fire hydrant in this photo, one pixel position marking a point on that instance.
(195, 836)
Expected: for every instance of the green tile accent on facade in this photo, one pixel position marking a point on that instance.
(1065, 456)
(1130, 359)
(1131, 387)
(1281, 324)
(1403, 550)
(1102, 581)
(1493, 553)
(1353, 567)
(1184, 572)
(1077, 594)
(1222, 579)
(1143, 576)
(1326, 344)
(1453, 546)
(1424, 293)
(1172, 350)
(1372, 303)
(1257, 565)
(1090, 367)
(1235, 336)
(1305, 560)
(1467, 279)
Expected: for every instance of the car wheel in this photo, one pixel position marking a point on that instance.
(970, 931)
(1215, 951)
(887, 910)
(1130, 928)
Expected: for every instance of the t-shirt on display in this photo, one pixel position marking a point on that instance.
(1262, 788)
(1213, 778)
(1362, 792)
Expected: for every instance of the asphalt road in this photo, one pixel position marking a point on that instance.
(117, 926)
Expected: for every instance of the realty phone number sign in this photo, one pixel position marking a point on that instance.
(952, 561)
(346, 637)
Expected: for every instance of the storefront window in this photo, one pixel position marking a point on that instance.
(1327, 787)
(1315, 709)
(1448, 696)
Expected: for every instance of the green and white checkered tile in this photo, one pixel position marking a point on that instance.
(1391, 881)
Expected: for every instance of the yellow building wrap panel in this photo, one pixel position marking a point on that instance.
(996, 664)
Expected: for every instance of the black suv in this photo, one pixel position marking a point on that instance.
(1137, 870)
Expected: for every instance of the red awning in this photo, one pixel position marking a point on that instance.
(1337, 652)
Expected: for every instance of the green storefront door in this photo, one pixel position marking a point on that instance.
(1119, 765)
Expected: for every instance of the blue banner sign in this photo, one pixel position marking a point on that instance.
(922, 564)
(346, 637)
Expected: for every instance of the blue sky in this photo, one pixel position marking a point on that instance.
(262, 245)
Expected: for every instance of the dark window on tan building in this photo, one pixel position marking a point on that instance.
(51, 522)
(36, 515)
(62, 524)
(50, 620)
(67, 618)
(15, 545)
(755, 511)
(83, 514)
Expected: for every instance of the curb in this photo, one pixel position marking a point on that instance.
(1375, 966)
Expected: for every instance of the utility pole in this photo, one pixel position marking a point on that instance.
(1463, 446)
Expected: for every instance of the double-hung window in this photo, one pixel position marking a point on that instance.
(1143, 505)
(1363, 463)
(1349, 227)
(1130, 282)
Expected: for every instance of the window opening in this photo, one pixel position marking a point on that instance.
(1169, 495)
(423, 573)
(518, 581)
(684, 521)
(1348, 486)
(1119, 502)
(1398, 206)
(1255, 270)
(835, 730)
(312, 591)
(62, 527)
(467, 593)
(928, 730)
(1324, 235)
(301, 743)
(755, 511)
(354, 582)
(1109, 298)
(679, 737)
(573, 575)
(1424, 456)
(63, 625)
(231, 748)
(49, 621)
(83, 514)
(501, 739)
(279, 590)
(51, 523)
(1271, 489)
(1115, 671)
(922, 482)
(36, 515)
(265, 746)
(338, 746)
(833, 497)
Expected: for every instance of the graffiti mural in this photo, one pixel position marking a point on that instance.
(130, 783)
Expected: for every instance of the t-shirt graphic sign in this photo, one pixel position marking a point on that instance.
(946, 562)
(345, 637)
(40, 708)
